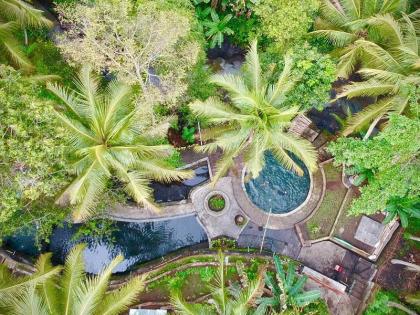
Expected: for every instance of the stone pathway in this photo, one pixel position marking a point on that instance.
(218, 223)
(134, 213)
(284, 242)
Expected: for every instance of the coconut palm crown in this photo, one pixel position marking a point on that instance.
(343, 23)
(16, 14)
(254, 121)
(109, 142)
(65, 290)
(390, 67)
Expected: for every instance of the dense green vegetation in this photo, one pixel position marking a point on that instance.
(72, 146)
(392, 158)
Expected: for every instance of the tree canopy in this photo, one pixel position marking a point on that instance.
(144, 45)
(32, 149)
(109, 142)
(392, 156)
(255, 120)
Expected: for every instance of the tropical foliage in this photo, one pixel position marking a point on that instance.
(217, 28)
(346, 25)
(16, 15)
(285, 21)
(392, 156)
(316, 73)
(225, 300)
(404, 208)
(286, 290)
(32, 170)
(109, 143)
(256, 120)
(391, 69)
(65, 290)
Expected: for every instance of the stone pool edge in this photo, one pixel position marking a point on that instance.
(284, 220)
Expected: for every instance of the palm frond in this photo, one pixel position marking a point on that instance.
(332, 14)
(80, 134)
(28, 303)
(216, 111)
(24, 13)
(182, 307)
(367, 88)
(362, 119)
(160, 171)
(276, 93)
(352, 8)
(73, 274)
(241, 96)
(48, 289)
(349, 61)
(9, 285)
(336, 37)
(70, 100)
(119, 96)
(252, 68)
(119, 300)
(89, 294)
(386, 24)
(302, 148)
(12, 49)
(381, 75)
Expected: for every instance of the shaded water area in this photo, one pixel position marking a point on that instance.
(277, 188)
(180, 191)
(137, 242)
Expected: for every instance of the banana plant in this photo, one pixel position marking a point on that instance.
(286, 290)
(360, 174)
(404, 208)
(217, 28)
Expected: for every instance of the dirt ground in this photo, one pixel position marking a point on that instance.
(396, 277)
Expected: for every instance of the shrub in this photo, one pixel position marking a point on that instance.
(315, 73)
(286, 21)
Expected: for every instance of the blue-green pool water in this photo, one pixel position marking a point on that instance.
(137, 242)
(277, 188)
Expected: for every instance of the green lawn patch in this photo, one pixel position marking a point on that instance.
(322, 221)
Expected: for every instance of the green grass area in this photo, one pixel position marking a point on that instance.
(344, 219)
(321, 223)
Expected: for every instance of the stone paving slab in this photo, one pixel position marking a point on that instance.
(139, 214)
(284, 242)
(218, 224)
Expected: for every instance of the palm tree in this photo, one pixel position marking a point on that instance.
(109, 143)
(15, 14)
(224, 300)
(71, 292)
(390, 67)
(255, 121)
(287, 291)
(10, 286)
(343, 23)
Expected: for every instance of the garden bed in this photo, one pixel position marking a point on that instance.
(321, 223)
